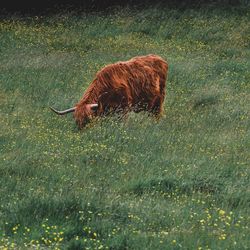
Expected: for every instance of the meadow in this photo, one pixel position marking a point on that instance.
(178, 183)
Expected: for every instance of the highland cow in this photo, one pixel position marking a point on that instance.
(134, 85)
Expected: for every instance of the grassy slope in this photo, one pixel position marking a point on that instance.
(180, 183)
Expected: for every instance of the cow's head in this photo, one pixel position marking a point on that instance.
(83, 113)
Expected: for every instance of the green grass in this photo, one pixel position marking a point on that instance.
(179, 183)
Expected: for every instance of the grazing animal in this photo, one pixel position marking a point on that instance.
(134, 85)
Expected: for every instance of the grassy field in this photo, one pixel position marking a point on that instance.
(179, 183)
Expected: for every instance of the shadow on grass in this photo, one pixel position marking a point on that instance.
(205, 101)
(173, 186)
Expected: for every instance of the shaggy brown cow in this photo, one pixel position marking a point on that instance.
(134, 85)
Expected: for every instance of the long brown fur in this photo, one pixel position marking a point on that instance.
(134, 85)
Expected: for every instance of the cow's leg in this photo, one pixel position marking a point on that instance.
(156, 106)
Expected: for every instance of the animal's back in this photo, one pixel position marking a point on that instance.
(141, 73)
